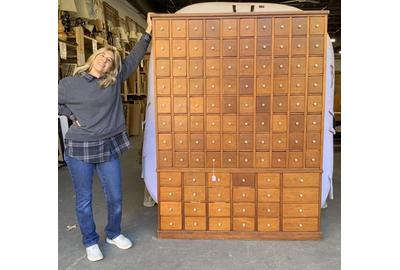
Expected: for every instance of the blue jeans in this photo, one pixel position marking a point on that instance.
(109, 173)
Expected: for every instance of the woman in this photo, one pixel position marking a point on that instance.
(92, 99)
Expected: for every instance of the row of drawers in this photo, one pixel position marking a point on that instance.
(261, 26)
(243, 47)
(241, 123)
(245, 85)
(231, 66)
(241, 104)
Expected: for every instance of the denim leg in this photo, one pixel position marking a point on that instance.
(82, 178)
(110, 177)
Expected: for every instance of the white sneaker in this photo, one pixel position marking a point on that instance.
(120, 241)
(94, 253)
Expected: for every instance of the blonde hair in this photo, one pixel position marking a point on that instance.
(109, 78)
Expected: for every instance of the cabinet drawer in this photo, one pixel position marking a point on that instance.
(279, 123)
(244, 210)
(245, 123)
(229, 142)
(212, 47)
(299, 26)
(212, 28)
(170, 179)
(229, 47)
(263, 66)
(213, 104)
(314, 104)
(269, 195)
(291, 210)
(301, 179)
(194, 194)
(279, 141)
(162, 67)
(296, 141)
(245, 141)
(313, 158)
(219, 209)
(268, 180)
(222, 179)
(229, 27)
(170, 223)
(164, 141)
(170, 194)
(296, 123)
(316, 45)
(178, 67)
(246, 67)
(243, 224)
(263, 104)
(262, 160)
(314, 122)
(213, 123)
(195, 209)
(180, 123)
(213, 142)
(268, 210)
(296, 160)
(178, 28)
(317, 25)
(161, 28)
(268, 224)
(213, 159)
(163, 87)
(280, 104)
(281, 85)
(243, 179)
(178, 48)
(195, 68)
(229, 105)
(247, 27)
(179, 86)
(164, 123)
(229, 67)
(197, 123)
(281, 46)
(282, 26)
(195, 28)
(212, 67)
(170, 209)
(246, 86)
(300, 195)
(300, 224)
(196, 105)
(229, 123)
(264, 46)
(196, 48)
(315, 65)
(245, 159)
(297, 104)
(229, 86)
(313, 140)
(162, 48)
(180, 105)
(181, 159)
(246, 47)
(195, 223)
(281, 66)
(219, 224)
(243, 194)
(164, 159)
(262, 142)
(219, 194)
(264, 27)
(298, 66)
(196, 160)
(315, 84)
(181, 142)
(212, 86)
(194, 179)
(278, 159)
(196, 87)
(299, 45)
(264, 85)
(262, 122)
(298, 86)
(229, 159)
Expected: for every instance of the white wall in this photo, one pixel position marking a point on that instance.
(126, 9)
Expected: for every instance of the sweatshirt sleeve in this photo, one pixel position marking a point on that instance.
(62, 100)
(131, 62)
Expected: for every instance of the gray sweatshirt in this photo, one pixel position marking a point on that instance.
(98, 110)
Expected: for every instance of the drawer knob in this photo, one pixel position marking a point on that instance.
(180, 124)
(163, 123)
(196, 67)
(300, 225)
(314, 141)
(229, 27)
(264, 26)
(244, 210)
(163, 86)
(247, 27)
(243, 180)
(194, 209)
(268, 225)
(161, 28)
(213, 86)
(181, 159)
(229, 86)
(196, 105)
(301, 180)
(179, 48)
(243, 195)
(315, 84)
(280, 66)
(194, 180)
(212, 105)
(315, 103)
(212, 67)
(316, 65)
(262, 104)
(316, 45)
(262, 141)
(296, 141)
(229, 67)
(313, 159)
(282, 26)
(268, 210)
(214, 161)
(162, 48)
(162, 67)
(212, 28)
(297, 104)
(179, 67)
(246, 86)
(247, 46)
(196, 28)
(219, 224)
(194, 194)
(280, 85)
(212, 48)
(298, 66)
(317, 25)
(219, 195)
(301, 195)
(219, 209)
(246, 160)
(165, 159)
(179, 86)
(262, 160)
(229, 159)
(299, 26)
(196, 86)
(263, 85)
(296, 160)
(297, 123)
(171, 223)
(169, 179)
(213, 141)
(244, 225)
(170, 209)
(246, 66)
(280, 104)
(195, 223)
(246, 124)
(264, 46)
(229, 105)
(229, 124)
(264, 66)
(281, 46)
(213, 124)
(164, 141)
(229, 47)
(229, 141)
(279, 141)
(195, 48)
(170, 194)
(298, 45)
(297, 85)
(279, 160)
(262, 123)
(269, 195)
(246, 105)
(300, 210)
(268, 179)
(197, 159)
(178, 28)
(180, 105)
(314, 123)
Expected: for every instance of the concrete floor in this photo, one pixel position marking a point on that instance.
(139, 223)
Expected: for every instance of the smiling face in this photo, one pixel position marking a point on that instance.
(102, 63)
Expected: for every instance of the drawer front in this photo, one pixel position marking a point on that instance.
(298, 66)
(229, 105)
(244, 210)
(296, 141)
(212, 47)
(313, 158)
(222, 179)
(247, 27)
(268, 210)
(229, 123)
(212, 86)
(316, 45)
(300, 195)
(299, 45)
(213, 123)
(195, 48)
(245, 142)
(195, 68)
(196, 160)
(297, 104)
(246, 67)
(262, 142)
(246, 159)
(281, 85)
(213, 104)
(229, 47)
(213, 142)
(314, 122)
(245, 123)
(164, 105)
(219, 194)
(296, 123)
(170, 194)
(279, 123)
(219, 209)
(281, 66)
(243, 224)
(179, 86)
(269, 195)
(163, 87)
(195, 209)
(262, 122)
(282, 26)
(281, 46)
(296, 160)
(263, 104)
(264, 27)
(278, 160)
(314, 104)
(170, 179)
(229, 85)
(162, 48)
(165, 159)
(170, 208)
(196, 123)
(180, 105)
(315, 84)
(263, 66)
(181, 159)
(229, 27)
(300, 210)
(195, 28)
(246, 47)
(317, 25)
(180, 123)
(262, 160)
(195, 223)
(243, 179)
(268, 180)
(164, 141)
(299, 26)
(212, 28)
(213, 159)
(297, 85)
(194, 179)
(178, 48)
(264, 85)
(194, 194)
(315, 65)
(229, 159)
(170, 223)
(162, 68)
(264, 46)
(161, 28)
(196, 105)
(212, 67)
(279, 141)
(246, 86)
(229, 142)
(219, 224)
(268, 224)
(300, 224)
(179, 68)
(313, 140)
(243, 194)
(301, 179)
(280, 104)
(229, 67)
(178, 28)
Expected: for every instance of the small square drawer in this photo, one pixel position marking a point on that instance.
(170, 208)
(229, 85)
(243, 179)
(170, 179)
(195, 68)
(219, 224)
(212, 86)
(245, 123)
(297, 104)
(194, 194)
(280, 104)
(243, 224)
(281, 66)
(170, 194)
(300, 210)
(268, 180)
(298, 65)
(282, 26)
(296, 123)
(281, 46)
(299, 26)
(314, 122)
(219, 209)
(263, 66)
(299, 45)
(212, 28)
(264, 27)
(281, 85)
(315, 85)
(229, 159)
(246, 159)
(164, 123)
(178, 68)
(222, 179)
(195, 223)
(263, 104)
(229, 142)
(317, 25)
(212, 47)
(164, 141)
(264, 85)
(213, 104)
(246, 105)
(163, 87)
(212, 67)
(213, 159)
(181, 159)
(278, 159)
(313, 158)
(196, 141)
(243, 194)
(180, 123)
(316, 45)
(247, 27)
(180, 105)
(169, 223)
(300, 195)
(164, 159)
(213, 142)
(229, 27)
(229, 47)
(269, 194)
(181, 142)
(179, 86)
(213, 123)
(262, 141)
(219, 194)
(162, 67)
(195, 209)
(268, 210)
(229, 123)
(196, 105)
(195, 48)
(268, 224)
(229, 67)
(246, 86)
(229, 105)
(178, 48)
(314, 104)
(279, 141)
(296, 160)
(162, 48)
(196, 123)
(279, 123)
(178, 28)
(264, 46)
(314, 140)
(301, 179)
(262, 122)
(161, 28)
(315, 65)
(244, 210)
(296, 141)
(297, 85)
(246, 47)
(246, 66)
(196, 87)
(195, 28)
(164, 105)
(262, 160)
(300, 224)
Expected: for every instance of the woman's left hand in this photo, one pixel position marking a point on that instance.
(149, 24)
